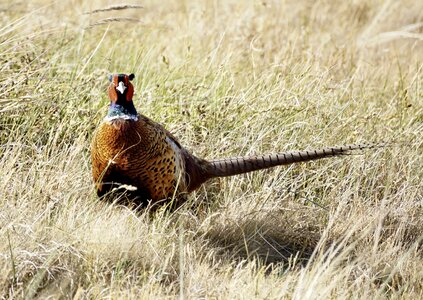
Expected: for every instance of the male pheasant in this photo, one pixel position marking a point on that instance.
(130, 150)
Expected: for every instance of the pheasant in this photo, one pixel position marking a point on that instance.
(131, 151)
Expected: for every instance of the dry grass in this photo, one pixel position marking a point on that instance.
(228, 78)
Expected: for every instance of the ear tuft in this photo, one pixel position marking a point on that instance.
(110, 78)
(131, 76)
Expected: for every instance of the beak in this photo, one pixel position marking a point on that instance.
(121, 87)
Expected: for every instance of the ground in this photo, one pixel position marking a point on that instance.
(228, 78)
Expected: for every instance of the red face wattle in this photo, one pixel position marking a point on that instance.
(120, 87)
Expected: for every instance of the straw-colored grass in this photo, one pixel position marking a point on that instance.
(228, 78)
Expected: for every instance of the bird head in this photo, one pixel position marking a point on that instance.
(121, 89)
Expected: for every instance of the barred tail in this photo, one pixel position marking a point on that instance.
(239, 165)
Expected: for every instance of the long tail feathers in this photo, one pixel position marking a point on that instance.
(239, 165)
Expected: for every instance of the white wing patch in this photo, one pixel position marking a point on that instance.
(180, 167)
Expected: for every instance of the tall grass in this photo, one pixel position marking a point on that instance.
(227, 78)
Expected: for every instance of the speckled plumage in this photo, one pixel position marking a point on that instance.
(129, 149)
(138, 153)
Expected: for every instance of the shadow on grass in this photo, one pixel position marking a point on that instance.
(270, 239)
(282, 237)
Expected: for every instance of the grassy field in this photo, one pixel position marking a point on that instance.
(228, 78)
